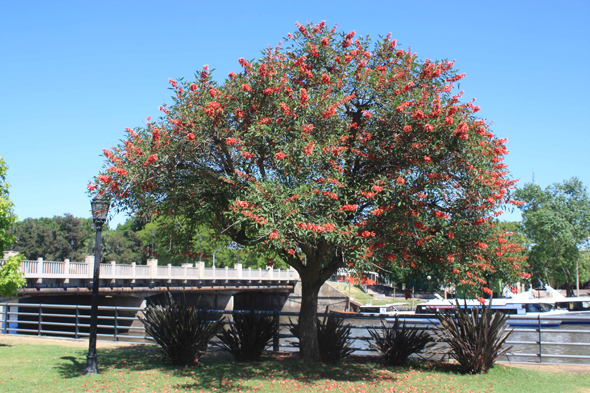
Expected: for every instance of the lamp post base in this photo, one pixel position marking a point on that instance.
(91, 365)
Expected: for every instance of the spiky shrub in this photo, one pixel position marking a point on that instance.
(396, 343)
(181, 330)
(333, 338)
(475, 337)
(249, 335)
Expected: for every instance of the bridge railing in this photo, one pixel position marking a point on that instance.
(62, 270)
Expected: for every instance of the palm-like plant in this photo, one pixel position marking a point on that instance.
(182, 331)
(249, 335)
(475, 337)
(396, 343)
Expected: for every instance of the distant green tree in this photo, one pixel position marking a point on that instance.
(175, 243)
(7, 217)
(54, 239)
(557, 220)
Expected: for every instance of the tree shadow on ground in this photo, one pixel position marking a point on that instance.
(134, 358)
(219, 370)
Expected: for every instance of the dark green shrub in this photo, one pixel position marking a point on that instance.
(396, 343)
(475, 337)
(249, 335)
(333, 338)
(181, 330)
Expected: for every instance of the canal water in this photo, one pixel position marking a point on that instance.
(563, 344)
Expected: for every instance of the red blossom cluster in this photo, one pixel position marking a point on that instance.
(316, 227)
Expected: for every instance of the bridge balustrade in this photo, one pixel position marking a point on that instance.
(142, 272)
(106, 270)
(123, 270)
(65, 270)
(51, 268)
(78, 269)
(29, 267)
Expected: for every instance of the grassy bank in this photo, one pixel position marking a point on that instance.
(57, 368)
(364, 298)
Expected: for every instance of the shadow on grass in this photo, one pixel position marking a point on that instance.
(218, 369)
(133, 358)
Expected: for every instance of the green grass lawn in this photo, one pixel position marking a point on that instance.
(57, 368)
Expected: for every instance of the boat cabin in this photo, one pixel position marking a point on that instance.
(385, 309)
(507, 306)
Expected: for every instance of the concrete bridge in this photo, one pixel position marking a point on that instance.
(67, 282)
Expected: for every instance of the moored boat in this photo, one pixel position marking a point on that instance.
(370, 310)
(578, 307)
(523, 312)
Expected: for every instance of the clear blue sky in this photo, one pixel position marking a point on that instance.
(74, 74)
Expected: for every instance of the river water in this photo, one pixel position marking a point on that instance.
(565, 341)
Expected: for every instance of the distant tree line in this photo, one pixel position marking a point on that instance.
(555, 227)
(69, 237)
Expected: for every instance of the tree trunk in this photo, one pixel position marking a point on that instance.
(308, 321)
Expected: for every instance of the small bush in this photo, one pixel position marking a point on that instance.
(396, 343)
(249, 336)
(181, 330)
(333, 338)
(475, 336)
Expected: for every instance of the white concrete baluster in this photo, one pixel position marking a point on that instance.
(40, 270)
(201, 271)
(67, 271)
(113, 271)
(153, 264)
(89, 260)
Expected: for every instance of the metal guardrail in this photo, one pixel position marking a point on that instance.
(122, 324)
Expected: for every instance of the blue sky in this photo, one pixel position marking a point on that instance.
(74, 74)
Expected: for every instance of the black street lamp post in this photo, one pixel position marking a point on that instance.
(72, 252)
(100, 210)
(91, 245)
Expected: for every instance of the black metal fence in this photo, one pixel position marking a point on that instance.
(568, 343)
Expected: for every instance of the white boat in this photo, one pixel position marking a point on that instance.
(390, 309)
(578, 306)
(523, 311)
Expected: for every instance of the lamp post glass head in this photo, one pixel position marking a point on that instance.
(100, 210)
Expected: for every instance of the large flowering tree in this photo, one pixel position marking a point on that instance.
(333, 151)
